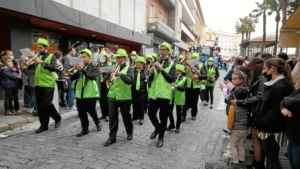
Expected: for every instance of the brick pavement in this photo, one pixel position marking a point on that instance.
(198, 144)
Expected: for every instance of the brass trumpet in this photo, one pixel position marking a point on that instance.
(69, 71)
(112, 77)
(25, 65)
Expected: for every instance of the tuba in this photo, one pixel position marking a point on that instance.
(25, 65)
(189, 69)
(112, 77)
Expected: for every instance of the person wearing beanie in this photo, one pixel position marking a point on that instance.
(160, 93)
(212, 76)
(87, 91)
(178, 98)
(154, 56)
(119, 97)
(194, 84)
(45, 84)
(139, 90)
(180, 57)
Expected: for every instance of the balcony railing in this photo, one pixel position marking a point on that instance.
(157, 20)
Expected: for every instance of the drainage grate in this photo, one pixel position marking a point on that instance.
(204, 165)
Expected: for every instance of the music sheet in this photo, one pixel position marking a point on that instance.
(26, 52)
(108, 69)
(76, 60)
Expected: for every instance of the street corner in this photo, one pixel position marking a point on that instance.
(4, 127)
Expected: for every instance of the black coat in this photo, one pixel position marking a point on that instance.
(269, 118)
(292, 124)
(143, 79)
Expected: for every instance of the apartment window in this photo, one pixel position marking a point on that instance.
(152, 10)
(160, 16)
(166, 19)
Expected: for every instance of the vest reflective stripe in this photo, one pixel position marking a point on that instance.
(211, 72)
(160, 87)
(44, 77)
(87, 89)
(179, 96)
(120, 90)
(196, 85)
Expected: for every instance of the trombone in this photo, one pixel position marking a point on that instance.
(112, 77)
(68, 72)
(25, 65)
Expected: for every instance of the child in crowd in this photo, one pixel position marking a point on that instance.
(237, 126)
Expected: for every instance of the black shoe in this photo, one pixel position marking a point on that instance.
(26, 105)
(82, 133)
(39, 130)
(183, 119)
(102, 118)
(160, 142)
(170, 127)
(98, 127)
(211, 106)
(63, 105)
(57, 124)
(106, 119)
(154, 134)
(177, 131)
(109, 142)
(129, 137)
(141, 122)
(194, 118)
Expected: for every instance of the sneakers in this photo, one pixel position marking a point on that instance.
(30, 110)
(72, 108)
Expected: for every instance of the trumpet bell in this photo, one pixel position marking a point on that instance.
(109, 83)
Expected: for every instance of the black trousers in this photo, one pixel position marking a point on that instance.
(85, 106)
(138, 104)
(163, 106)
(271, 150)
(44, 98)
(26, 95)
(210, 91)
(178, 114)
(191, 101)
(103, 100)
(13, 95)
(61, 91)
(114, 119)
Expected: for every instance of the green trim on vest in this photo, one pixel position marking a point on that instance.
(120, 90)
(44, 77)
(211, 73)
(160, 87)
(87, 89)
(196, 85)
(179, 96)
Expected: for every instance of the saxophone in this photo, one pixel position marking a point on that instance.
(189, 69)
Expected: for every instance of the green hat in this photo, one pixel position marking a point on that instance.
(165, 44)
(195, 55)
(103, 53)
(180, 57)
(133, 53)
(210, 59)
(149, 57)
(88, 52)
(42, 41)
(121, 53)
(180, 67)
(114, 56)
(140, 59)
(154, 55)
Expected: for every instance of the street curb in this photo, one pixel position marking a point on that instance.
(16, 124)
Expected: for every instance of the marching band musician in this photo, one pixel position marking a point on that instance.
(104, 90)
(154, 56)
(87, 91)
(139, 90)
(178, 98)
(160, 92)
(180, 57)
(119, 96)
(45, 82)
(149, 61)
(194, 85)
(132, 58)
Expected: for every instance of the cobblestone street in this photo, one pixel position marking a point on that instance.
(198, 142)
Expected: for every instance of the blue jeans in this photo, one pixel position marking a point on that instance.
(294, 155)
(70, 93)
(32, 99)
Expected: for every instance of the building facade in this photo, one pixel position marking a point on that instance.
(229, 43)
(210, 37)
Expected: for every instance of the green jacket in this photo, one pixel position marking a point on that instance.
(45, 74)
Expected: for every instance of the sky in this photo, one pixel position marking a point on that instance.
(223, 14)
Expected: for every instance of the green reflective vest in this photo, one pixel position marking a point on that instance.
(120, 90)
(44, 77)
(211, 72)
(179, 96)
(160, 87)
(86, 88)
(196, 85)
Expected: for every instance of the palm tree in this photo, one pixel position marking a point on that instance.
(262, 10)
(275, 6)
(284, 9)
(250, 22)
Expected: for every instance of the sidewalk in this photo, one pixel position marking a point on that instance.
(14, 121)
